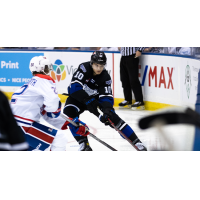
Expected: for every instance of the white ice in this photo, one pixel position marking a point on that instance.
(179, 136)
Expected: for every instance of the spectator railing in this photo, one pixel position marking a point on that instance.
(183, 51)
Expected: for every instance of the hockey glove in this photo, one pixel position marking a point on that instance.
(81, 130)
(107, 113)
(92, 104)
(56, 113)
(103, 120)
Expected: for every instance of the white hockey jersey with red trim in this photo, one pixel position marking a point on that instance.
(27, 101)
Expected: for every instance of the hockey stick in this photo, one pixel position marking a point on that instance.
(93, 136)
(120, 132)
(171, 116)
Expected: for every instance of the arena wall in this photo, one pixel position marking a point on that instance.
(167, 80)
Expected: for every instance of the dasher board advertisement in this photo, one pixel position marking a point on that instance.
(160, 78)
(189, 80)
(65, 65)
(14, 68)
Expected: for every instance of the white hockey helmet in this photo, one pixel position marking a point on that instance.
(39, 64)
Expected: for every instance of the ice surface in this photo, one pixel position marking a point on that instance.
(180, 136)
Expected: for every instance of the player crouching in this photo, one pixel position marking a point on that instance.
(91, 88)
(39, 98)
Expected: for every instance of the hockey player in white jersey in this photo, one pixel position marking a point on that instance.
(38, 98)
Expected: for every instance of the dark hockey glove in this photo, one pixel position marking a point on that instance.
(107, 113)
(92, 104)
(104, 119)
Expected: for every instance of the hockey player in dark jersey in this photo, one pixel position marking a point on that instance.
(90, 88)
(11, 136)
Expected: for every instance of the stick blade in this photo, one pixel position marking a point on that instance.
(171, 116)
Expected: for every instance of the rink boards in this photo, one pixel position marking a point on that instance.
(166, 79)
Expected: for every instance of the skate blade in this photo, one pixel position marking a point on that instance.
(125, 107)
(138, 108)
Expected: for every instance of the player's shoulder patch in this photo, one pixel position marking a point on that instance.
(83, 68)
(109, 82)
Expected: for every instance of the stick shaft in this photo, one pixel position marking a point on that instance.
(121, 133)
(91, 135)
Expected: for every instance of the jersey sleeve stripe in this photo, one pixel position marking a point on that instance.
(77, 82)
(105, 96)
(23, 118)
(21, 122)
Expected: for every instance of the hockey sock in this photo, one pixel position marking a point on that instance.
(128, 131)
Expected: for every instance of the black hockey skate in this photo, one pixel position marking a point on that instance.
(124, 104)
(84, 146)
(138, 106)
(139, 146)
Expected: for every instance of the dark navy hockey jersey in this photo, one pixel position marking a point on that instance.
(84, 84)
(11, 136)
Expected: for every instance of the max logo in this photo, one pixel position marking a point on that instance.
(153, 75)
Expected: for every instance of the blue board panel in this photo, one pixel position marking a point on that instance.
(14, 68)
(196, 146)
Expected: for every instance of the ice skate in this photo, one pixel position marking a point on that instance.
(125, 104)
(138, 106)
(139, 145)
(84, 146)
